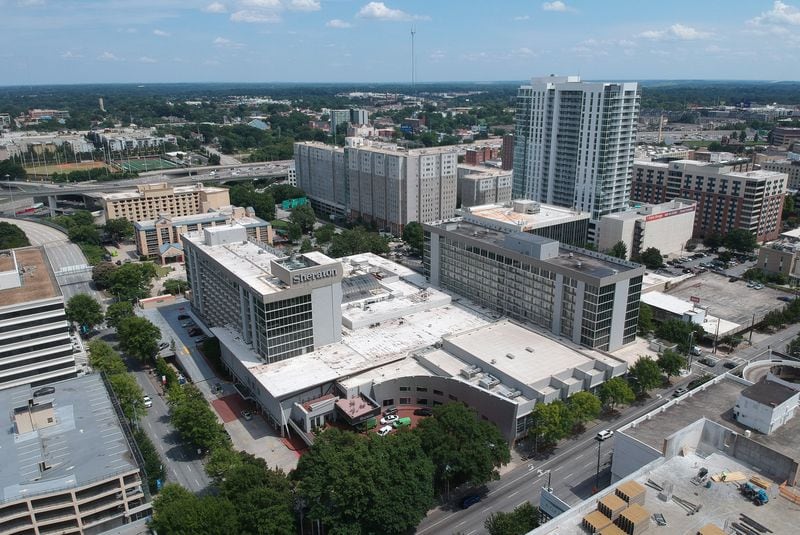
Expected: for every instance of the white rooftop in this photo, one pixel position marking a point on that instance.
(545, 216)
(793, 234)
(176, 190)
(712, 325)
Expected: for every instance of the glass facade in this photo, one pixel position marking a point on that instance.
(284, 328)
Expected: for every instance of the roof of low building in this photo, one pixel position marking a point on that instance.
(769, 393)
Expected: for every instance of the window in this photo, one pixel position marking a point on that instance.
(422, 389)
(388, 402)
(422, 401)
(452, 397)
(438, 393)
(405, 389)
(405, 401)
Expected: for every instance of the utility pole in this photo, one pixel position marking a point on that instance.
(413, 66)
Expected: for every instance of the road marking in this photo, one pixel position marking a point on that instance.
(569, 475)
(557, 469)
(513, 494)
(520, 503)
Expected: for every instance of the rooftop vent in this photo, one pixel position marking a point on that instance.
(489, 381)
(579, 265)
(513, 394)
(529, 349)
(510, 355)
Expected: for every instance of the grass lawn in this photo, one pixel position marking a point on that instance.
(279, 223)
(162, 271)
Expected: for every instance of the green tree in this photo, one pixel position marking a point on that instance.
(11, 236)
(741, 240)
(343, 480)
(551, 422)
(646, 324)
(520, 521)
(616, 391)
(583, 407)
(84, 310)
(357, 240)
(129, 394)
(305, 246)
(714, 241)
(87, 234)
(651, 258)
(102, 275)
(176, 286)
(788, 206)
(103, 358)
(413, 236)
(119, 229)
(131, 281)
(116, 312)
(794, 347)
(176, 511)
(153, 465)
(462, 447)
(671, 363)
(680, 332)
(304, 217)
(294, 232)
(619, 250)
(742, 136)
(262, 202)
(138, 337)
(645, 375)
(325, 233)
(194, 419)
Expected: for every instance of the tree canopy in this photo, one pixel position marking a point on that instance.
(619, 250)
(645, 375)
(131, 281)
(671, 363)
(116, 312)
(651, 258)
(616, 391)
(84, 310)
(413, 235)
(679, 332)
(520, 521)
(102, 275)
(355, 241)
(304, 217)
(262, 202)
(176, 286)
(176, 511)
(646, 324)
(11, 236)
(740, 240)
(194, 419)
(138, 337)
(119, 229)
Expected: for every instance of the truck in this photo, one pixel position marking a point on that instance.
(756, 495)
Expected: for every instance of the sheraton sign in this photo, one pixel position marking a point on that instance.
(299, 278)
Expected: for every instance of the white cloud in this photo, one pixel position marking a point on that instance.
(304, 5)
(338, 24)
(253, 16)
(161, 33)
(676, 31)
(108, 56)
(523, 52)
(146, 59)
(380, 11)
(71, 55)
(438, 55)
(262, 4)
(557, 5)
(523, 17)
(222, 42)
(780, 14)
(215, 7)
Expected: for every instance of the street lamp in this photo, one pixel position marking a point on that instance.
(11, 191)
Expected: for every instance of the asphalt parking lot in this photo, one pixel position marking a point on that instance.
(732, 301)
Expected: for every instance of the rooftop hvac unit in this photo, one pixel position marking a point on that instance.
(529, 349)
(510, 355)
(469, 372)
(489, 381)
(513, 394)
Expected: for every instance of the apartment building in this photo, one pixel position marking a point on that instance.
(481, 153)
(574, 144)
(507, 152)
(149, 201)
(282, 306)
(587, 297)
(161, 238)
(483, 185)
(554, 222)
(726, 199)
(35, 345)
(790, 167)
(667, 227)
(379, 182)
(784, 135)
(69, 463)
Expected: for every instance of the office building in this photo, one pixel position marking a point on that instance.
(35, 345)
(667, 227)
(554, 222)
(482, 185)
(479, 154)
(150, 201)
(359, 116)
(790, 167)
(339, 120)
(507, 152)
(320, 173)
(291, 175)
(161, 238)
(574, 144)
(784, 135)
(69, 463)
(282, 306)
(587, 297)
(780, 257)
(726, 199)
(379, 182)
(5, 120)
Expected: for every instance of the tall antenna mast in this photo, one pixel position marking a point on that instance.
(413, 66)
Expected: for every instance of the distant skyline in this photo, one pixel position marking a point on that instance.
(359, 41)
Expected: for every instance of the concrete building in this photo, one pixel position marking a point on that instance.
(359, 116)
(667, 226)
(339, 120)
(790, 167)
(161, 238)
(291, 175)
(668, 307)
(588, 298)
(766, 405)
(482, 185)
(69, 463)
(320, 173)
(5, 120)
(726, 199)
(554, 222)
(507, 152)
(379, 182)
(282, 306)
(574, 144)
(35, 346)
(780, 257)
(784, 135)
(478, 154)
(150, 201)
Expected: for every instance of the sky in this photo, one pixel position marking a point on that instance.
(150, 41)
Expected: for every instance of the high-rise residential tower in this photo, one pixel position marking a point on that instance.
(574, 144)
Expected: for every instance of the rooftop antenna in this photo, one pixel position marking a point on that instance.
(413, 66)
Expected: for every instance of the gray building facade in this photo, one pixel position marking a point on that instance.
(589, 298)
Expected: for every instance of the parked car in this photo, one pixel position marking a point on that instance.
(163, 345)
(390, 410)
(195, 331)
(423, 411)
(469, 501)
(147, 401)
(695, 350)
(385, 430)
(729, 364)
(605, 434)
(688, 270)
(389, 418)
(183, 317)
(401, 422)
(732, 279)
(247, 415)
(786, 298)
(758, 287)
(188, 325)
(679, 391)
(44, 391)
